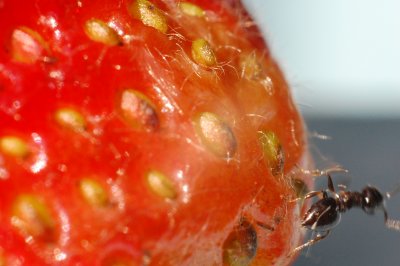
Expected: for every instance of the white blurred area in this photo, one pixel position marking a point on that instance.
(341, 57)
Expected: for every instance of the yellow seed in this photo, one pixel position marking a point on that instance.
(14, 146)
(215, 134)
(93, 192)
(138, 110)
(161, 185)
(191, 9)
(99, 31)
(203, 54)
(70, 118)
(272, 151)
(240, 247)
(27, 45)
(149, 14)
(32, 218)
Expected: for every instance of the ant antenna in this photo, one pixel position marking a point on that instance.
(322, 172)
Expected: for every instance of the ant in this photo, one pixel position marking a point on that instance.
(324, 214)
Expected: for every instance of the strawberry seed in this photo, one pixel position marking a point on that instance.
(149, 14)
(99, 31)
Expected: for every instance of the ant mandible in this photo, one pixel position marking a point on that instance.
(324, 214)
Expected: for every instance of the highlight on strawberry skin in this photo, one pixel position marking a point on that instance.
(145, 132)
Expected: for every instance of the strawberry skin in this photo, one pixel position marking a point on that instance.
(137, 132)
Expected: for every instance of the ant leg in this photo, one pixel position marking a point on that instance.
(311, 194)
(390, 223)
(311, 242)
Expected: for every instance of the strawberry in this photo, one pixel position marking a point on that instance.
(138, 132)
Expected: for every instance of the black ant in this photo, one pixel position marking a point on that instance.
(324, 214)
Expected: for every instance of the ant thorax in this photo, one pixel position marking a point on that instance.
(349, 199)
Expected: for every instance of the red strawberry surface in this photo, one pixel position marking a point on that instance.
(144, 133)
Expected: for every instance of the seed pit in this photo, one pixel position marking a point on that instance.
(149, 14)
(215, 134)
(203, 54)
(240, 247)
(138, 110)
(272, 151)
(161, 185)
(99, 31)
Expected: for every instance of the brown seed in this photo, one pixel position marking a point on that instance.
(272, 151)
(240, 247)
(14, 146)
(161, 185)
(215, 134)
(203, 53)
(138, 110)
(191, 9)
(27, 46)
(149, 14)
(93, 192)
(70, 118)
(99, 31)
(32, 217)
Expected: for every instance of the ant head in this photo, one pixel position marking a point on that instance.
(322, 214)
(372, 199)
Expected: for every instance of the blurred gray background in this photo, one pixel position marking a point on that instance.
(341, 57)
(342, 60)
